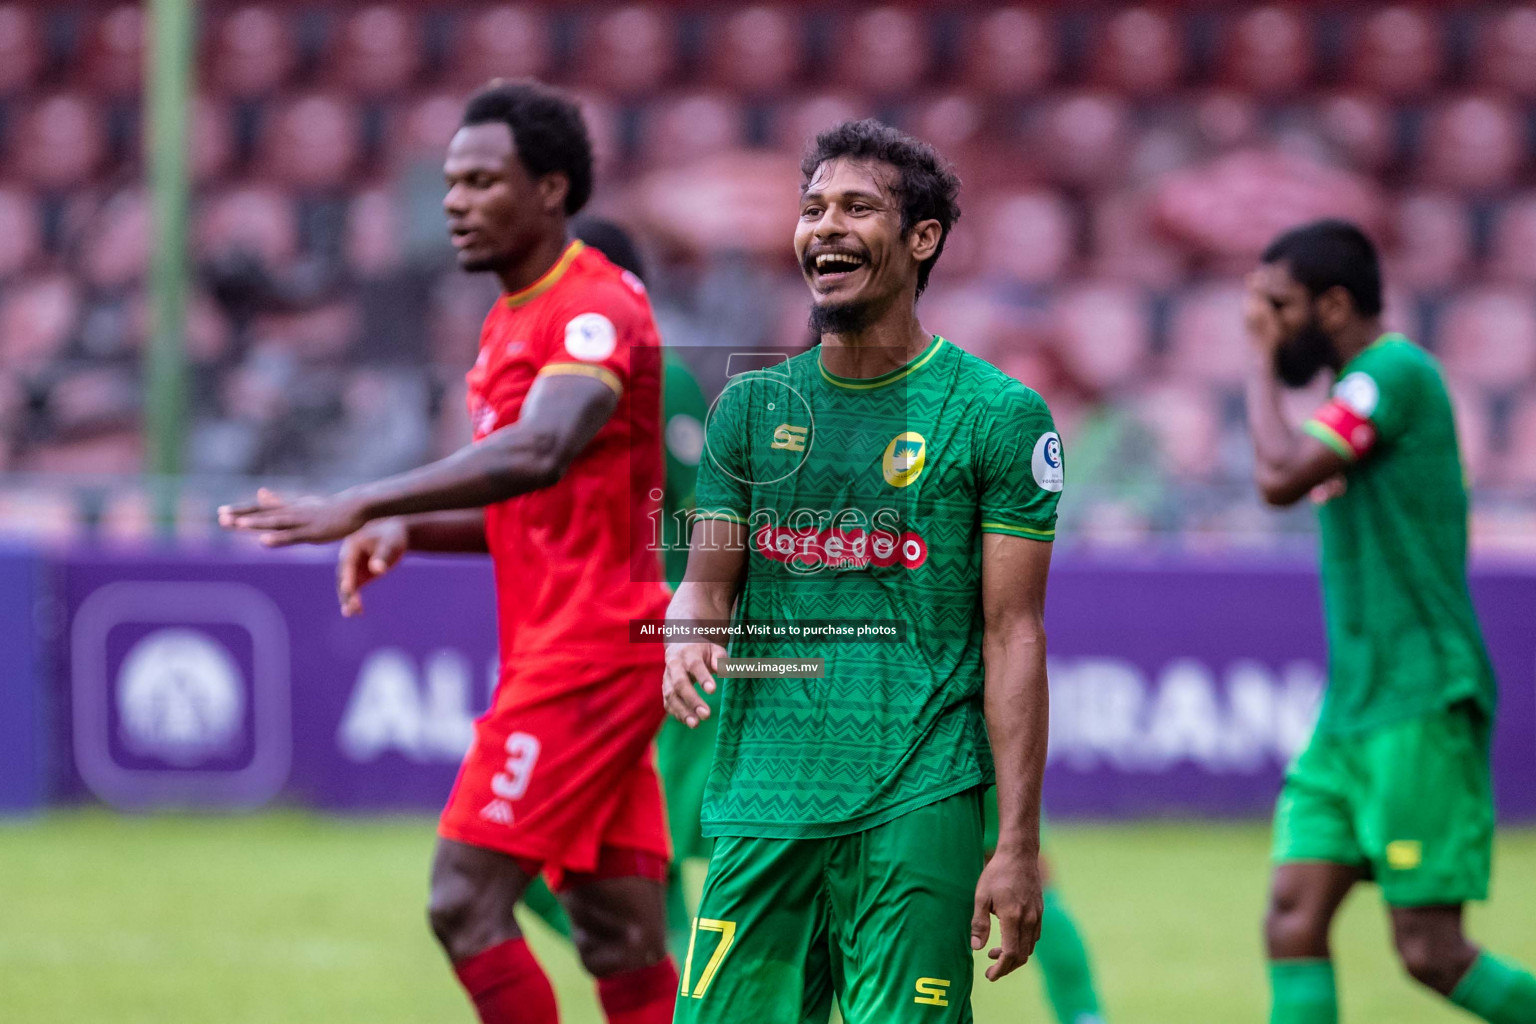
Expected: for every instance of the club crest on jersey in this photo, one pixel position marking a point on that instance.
(904, 458)
(1047, 462)
(590, 337)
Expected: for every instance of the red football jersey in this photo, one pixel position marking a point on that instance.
(575, 562)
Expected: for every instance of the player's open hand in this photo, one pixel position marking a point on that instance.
(280, 523)
(690, 665)
(1010, 890)
(1261, 319)
(365, 556)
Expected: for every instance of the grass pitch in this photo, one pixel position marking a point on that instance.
(292, 918)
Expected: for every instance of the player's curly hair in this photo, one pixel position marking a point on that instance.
(547, 128)
(927, 187)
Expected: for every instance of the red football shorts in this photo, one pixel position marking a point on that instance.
(562, 774)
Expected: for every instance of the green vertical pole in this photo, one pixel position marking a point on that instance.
(168, 74)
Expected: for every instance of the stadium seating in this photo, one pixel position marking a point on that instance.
(1121, 165)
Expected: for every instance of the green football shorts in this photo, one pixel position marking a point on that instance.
(1411, 803)
(880, 918)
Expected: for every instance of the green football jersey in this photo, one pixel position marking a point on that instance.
(683, 413)
(1403, 638)
(866, 499)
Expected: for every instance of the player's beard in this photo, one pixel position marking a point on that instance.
(841, 317)
(1299, 358)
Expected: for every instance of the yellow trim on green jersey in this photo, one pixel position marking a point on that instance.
(1023, 530)
(860, 384)
(1330, 437)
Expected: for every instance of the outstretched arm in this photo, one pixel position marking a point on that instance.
(559, 418)
(1017, 700)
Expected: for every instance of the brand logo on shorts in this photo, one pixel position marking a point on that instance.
(1405, 854)
(498, 812)
(932, 991)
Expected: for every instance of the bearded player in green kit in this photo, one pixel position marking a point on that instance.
(1394, 785)
(883, 475)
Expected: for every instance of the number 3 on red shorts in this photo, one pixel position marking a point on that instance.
(522, 754)
(727, 930)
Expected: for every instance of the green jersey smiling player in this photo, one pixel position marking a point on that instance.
(885, 474)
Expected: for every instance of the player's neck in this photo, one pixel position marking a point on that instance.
(534, 262)
(1356, 338)
(888, 344)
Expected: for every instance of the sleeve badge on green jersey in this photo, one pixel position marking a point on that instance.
(1358, 390)
(1047, 463)
(685, 439)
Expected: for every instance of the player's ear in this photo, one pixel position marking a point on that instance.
(924, 239)
(553, 188)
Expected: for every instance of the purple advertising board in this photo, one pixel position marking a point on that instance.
(23, 758)
(1178, 687)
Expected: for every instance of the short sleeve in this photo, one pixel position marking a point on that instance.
(722, 490)
(1371, 403)
(593, 334)
(1021, 466)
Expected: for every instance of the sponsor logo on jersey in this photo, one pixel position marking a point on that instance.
(932, 992)
(590, 337)
(789, 437)
(834, 548)
(1359, 392)
(1047, 462)
(498, 812)
(904, 458)
(181, 698)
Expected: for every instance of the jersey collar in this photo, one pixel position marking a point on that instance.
(890, 377)
(549, 278)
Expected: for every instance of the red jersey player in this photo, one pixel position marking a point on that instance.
(559, 486)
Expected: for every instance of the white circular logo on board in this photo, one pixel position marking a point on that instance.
(180, 697)
(590, 337)
(1358, 390)
(685, 439)
(1047, 463)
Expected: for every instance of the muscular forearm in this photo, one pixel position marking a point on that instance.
(1017, 711)
(458, 532)
(512, 461)
(702, 601)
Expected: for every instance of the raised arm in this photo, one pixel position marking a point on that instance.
(1017, 702)
(1287, 463)
(561, 415)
